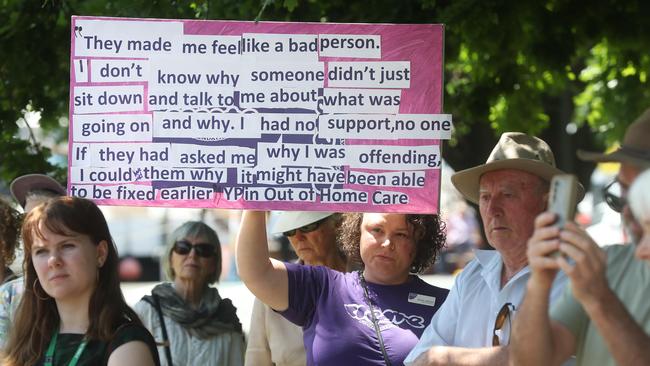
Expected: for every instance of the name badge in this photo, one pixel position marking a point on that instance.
(422, 299)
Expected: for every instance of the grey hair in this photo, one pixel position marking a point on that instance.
(639, 197)
(41, 194)
(193, 229)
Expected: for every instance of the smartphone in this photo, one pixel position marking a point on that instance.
(562, 197)
(562, 200)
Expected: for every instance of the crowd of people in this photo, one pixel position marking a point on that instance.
(353, 296)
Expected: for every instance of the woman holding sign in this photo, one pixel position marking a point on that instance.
(72, 311)
(272, 339)
(373, 316)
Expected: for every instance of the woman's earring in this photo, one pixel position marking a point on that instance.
(46, 297)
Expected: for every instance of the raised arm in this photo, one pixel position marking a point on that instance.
(536, 339)
(625, 339)
(265, 277)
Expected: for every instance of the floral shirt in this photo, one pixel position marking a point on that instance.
(10, 293)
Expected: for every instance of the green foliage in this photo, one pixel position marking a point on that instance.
(507, 63)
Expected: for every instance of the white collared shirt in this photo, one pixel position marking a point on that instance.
(467, 317)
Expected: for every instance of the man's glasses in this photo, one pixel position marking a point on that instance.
(305, 229)
(614, 196)
(184, 247)
(505, 314)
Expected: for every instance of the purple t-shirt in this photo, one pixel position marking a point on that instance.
(337, 327)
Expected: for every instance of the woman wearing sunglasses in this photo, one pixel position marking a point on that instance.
(370, 317)
(72, 310)
(272, 339)
(191, 323)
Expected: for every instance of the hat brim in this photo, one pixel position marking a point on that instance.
(618, 156)
(467, 181)
(22, 185)
(290, 220)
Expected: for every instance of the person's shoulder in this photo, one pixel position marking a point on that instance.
(319, 271)
(426, 288)
(474, 267)
(13, 285)
(618, 254)
(618, 249)
(144, 304)
(621, 262)
(131, 331)
(10, 290)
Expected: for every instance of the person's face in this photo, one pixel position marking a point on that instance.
(626, 175)
(387, 248)
(67, 266)
(191, 266)
(315, 247)
(509, 201)
(643, 247)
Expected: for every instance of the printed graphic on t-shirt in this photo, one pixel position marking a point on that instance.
(387, 318)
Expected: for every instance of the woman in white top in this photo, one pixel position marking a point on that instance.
(191, 323)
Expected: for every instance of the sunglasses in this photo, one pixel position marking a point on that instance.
(184, 247)
(613, 196)
(504, 314)
(305, 229)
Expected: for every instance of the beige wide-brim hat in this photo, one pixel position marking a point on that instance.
(290, 220)
(514, 150)
(635, 148)
(24, 184)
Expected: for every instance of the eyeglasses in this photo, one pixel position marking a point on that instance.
(614, 197)
(504, 314)
(184, 247)
(305, 229)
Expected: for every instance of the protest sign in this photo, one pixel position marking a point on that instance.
(268, 115)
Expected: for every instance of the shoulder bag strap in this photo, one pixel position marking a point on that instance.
(165, 343)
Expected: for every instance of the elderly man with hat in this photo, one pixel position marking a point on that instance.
(604, 316)
(473, 325)
(272, 339)
(30, 190)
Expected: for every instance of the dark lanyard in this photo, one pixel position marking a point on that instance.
(375, 323)
(49, 355)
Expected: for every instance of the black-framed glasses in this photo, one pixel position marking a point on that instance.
(613, 194)
(505, 314)
(184, 247)
(305, 229)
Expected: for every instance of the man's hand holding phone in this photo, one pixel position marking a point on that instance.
(562, 200)
(544, 245)
(555, 232)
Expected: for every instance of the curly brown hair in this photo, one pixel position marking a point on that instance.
(429, 233)
(10, 221)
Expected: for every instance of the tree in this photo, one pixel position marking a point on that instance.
(538, 67)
